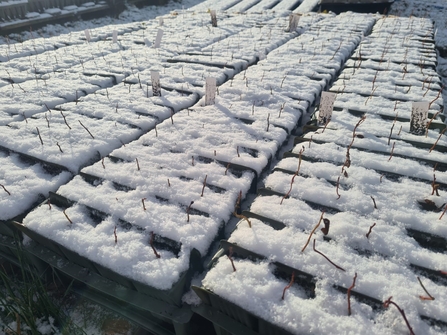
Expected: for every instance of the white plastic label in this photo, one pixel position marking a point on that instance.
(115, 36)
(87, 35)
(293, 22)
(161, 21)
(210, 91)
(419, 113)
(158, 38)
(156, 87)
(213, 18)
(326, 107)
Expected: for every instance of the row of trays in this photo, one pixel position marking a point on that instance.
(375, 176)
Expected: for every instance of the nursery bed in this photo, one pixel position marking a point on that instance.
(136, 181)
(376, 190)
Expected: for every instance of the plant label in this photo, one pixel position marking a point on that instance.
(210, 91)
(326, 107)
(87, 35)
(115, 36)
(147, 42)
(158, 38)
(418, 122)
(213, 18)
(161, 21)
(156, 87)
(293, 22)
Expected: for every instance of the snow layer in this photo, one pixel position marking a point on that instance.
(356, 173)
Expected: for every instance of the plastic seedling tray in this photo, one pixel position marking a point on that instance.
(114, 296)
(42, 240)
(7, 229)
(174, 295)
(440, 165)
(229, 318)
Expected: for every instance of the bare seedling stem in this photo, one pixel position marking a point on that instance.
(235, 212)
(318, 252)
(439, 137)
(349, 293)
(430, 297)
(289, 285)
(293, 178)
(388, 302)
(40, 137)
(230, 254)
(392, 151)
(336, 190)
(71, 222)
(437, 97)
(187, 210)
(445, 209)
(88, 131)
(204, 185)
(4, 188)
(374, 202)
(151, 242)
(370, 230)
(313, 231)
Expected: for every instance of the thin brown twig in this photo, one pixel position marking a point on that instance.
(204, 185)
(445, 209)
(48, 121)
(40, 137)
(142, 201)
(370, 230)
(235, 212)
(138, 164)
(67, 216)
(429, 122)
(65, 120)
(388, 302)
(293, 178)
(318, 252)
(392, 151)
(349, 293)
(226, 170)
(430, 297)
(374, 201)
(289, 285)
(391, 133)
(116, 237)
(151, 242)
(88, 131)
(230, 254)
(4, 188)
(437, 97)
(439, 137)
(187, 210)
(60, 149)
(434, 186)
(313, 231)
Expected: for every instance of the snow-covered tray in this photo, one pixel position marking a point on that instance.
(349, 223)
